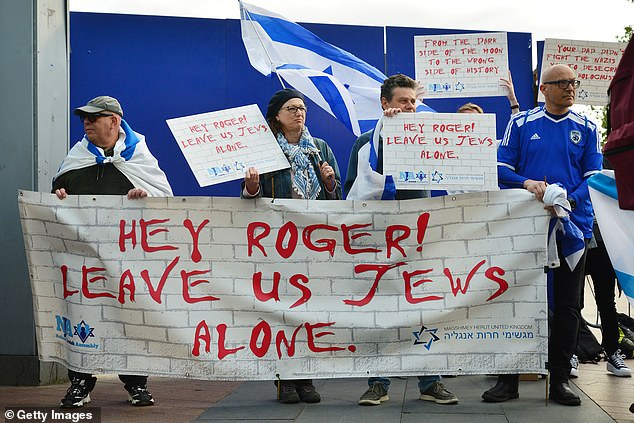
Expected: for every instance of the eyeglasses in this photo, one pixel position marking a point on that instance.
(294, 109)
(563, 83)
(92, 117)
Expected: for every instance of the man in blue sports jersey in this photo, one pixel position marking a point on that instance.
(545, 145)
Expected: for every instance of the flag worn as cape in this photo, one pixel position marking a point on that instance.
(131, 156)
(370, 184)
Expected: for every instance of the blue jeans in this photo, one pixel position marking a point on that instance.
(424, 382)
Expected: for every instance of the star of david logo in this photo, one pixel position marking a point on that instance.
(437, 177)
(459, 86)
(84, 331)
(421, 337)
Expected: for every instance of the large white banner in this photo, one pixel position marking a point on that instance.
(227, 288)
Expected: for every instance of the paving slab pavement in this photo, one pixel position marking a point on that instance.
(255, 402)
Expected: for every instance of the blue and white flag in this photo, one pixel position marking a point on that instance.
(370, 184)
(617, 228)
(341, 83)
(131, 156)
(562, 228)
(325, 91)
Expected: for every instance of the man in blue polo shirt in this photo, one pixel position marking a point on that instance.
(553, 144)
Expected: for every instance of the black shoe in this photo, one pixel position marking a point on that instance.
(502, 391)
(561, 393)
(79, 392)
(139, 396)
(288, 394)
(307, 392)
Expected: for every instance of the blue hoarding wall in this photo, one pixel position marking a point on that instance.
(166, 67)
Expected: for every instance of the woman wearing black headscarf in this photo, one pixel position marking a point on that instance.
(313, 175)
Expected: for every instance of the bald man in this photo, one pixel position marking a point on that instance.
(545, 145)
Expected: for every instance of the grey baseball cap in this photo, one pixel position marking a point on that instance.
(102, 103)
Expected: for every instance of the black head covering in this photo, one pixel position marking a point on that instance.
(279, 98)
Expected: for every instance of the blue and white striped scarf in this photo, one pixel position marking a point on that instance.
(305, 181)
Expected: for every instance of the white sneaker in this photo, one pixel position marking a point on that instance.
(617, 366)
(574, 366)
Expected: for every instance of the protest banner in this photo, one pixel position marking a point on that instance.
(594, 62)
(441, 151)
(220, 146)
(234, 289)
(461, 65)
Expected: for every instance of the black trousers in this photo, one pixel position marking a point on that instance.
(564, 324)
(129, 380)
(599, 267)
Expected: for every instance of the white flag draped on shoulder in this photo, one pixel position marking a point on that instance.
(370, 184)
(617, 228)
(344, 85)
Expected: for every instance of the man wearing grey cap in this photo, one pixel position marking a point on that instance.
(111, 159)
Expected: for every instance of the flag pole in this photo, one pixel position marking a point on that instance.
(248, 16)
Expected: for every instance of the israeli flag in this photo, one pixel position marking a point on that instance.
(325, 90)
(344, 85)
(370, 184)
(562, 228)
(617, 228)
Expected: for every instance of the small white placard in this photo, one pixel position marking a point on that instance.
(461, 65)
(441, 151)
(594, 62)
(220, 146)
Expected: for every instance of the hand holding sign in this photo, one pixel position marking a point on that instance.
(252, 181)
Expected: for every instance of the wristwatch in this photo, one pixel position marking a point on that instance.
(573, 204)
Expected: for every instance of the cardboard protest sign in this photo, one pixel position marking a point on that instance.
(443, 151)
(220, 146)
(461, 65)
(594, 62)
(227, 288)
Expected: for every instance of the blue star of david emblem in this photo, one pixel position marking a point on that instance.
(583, 94)
(459, 86)
(84, 331)
(437, 177)
(426, 343)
